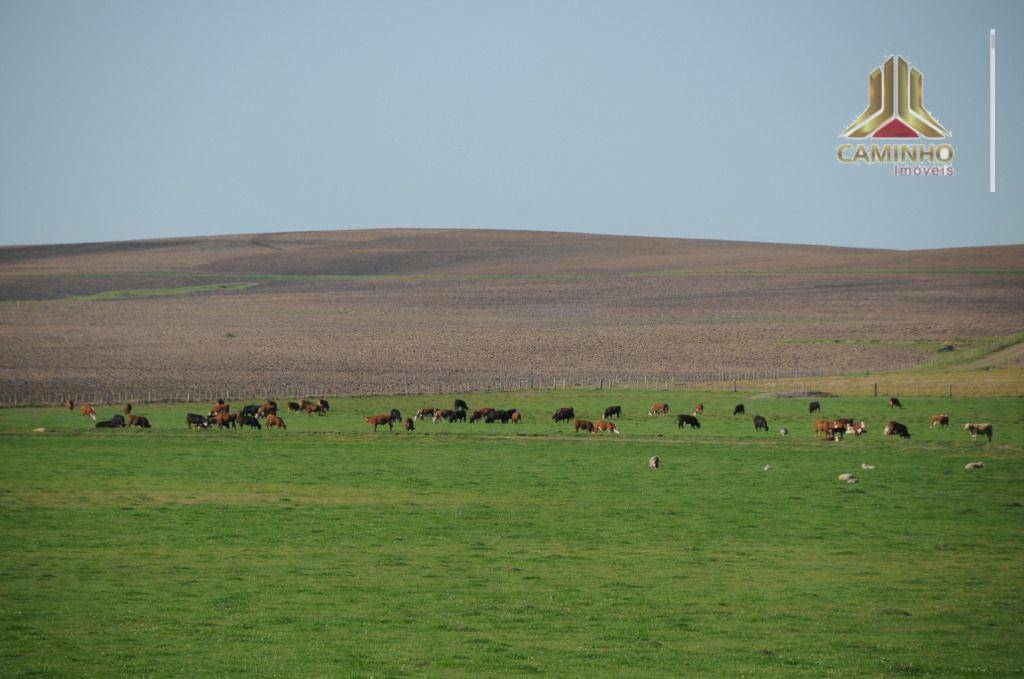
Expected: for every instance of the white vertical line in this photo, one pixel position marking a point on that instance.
(992, 111)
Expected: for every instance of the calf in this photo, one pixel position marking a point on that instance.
(88, 411)
(814, 407)
(893, 428)
(760, 423)
(683, 419)
(611, 411)
(275, 421)
(409, 425)
(250, 421)
(699, 410)
(516, 418)
(739, 410)
(585, 425)
(979, 429)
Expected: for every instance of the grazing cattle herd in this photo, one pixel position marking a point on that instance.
(256, 416)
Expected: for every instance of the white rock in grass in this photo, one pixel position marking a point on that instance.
(767, 467)
(39, 430)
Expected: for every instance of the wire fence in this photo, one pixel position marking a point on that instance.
(41, 396)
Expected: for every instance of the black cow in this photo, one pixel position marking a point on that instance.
(895, 403)
(196, 421)
(460, 404)
(683, 419)
(325, 407)
(396, 415)
(502, 416)
(250, 421)
(114, 422)
(814, 407)
(563, 415)
(760, 423)
(294, 407)
(612, 410)
(458, 415)
(739, 410)
(896, 429)
(250, 410)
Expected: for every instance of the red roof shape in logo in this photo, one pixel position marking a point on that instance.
(895, 129)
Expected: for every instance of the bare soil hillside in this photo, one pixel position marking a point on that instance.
(351, 311)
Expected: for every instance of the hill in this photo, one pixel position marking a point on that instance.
(356, 311)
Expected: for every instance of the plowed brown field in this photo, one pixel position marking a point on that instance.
(356, 311)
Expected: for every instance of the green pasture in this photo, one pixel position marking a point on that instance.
(483, 550)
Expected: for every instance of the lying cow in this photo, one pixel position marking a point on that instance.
(137, 421)
(683, 419)
(658, 409)
(196, 421)
(979, 429)
(893, 428)
(115, 422)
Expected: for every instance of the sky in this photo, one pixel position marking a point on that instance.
(141, 119)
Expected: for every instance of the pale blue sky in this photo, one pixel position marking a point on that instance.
(123, 120)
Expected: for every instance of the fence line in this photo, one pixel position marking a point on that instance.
(279, 389)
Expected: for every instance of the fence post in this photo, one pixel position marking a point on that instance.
(876, 388)
(950, 394)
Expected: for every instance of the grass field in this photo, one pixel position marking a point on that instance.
(477, 550)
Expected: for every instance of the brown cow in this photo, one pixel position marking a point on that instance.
(940, 420)
(893, 428)
(699, 410)
(425, 412)
(314, 408)
(275, 421)
(224, 419)
(219, 407)
(268, 408)
(88, 411)
(69, 404)
(658, 409)
(136, 421)
(127, 408)
(380, 420)
(585, 425)
(857, 428)
(516, 418)
(976, 429)
(605, 425)
(304, 403)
